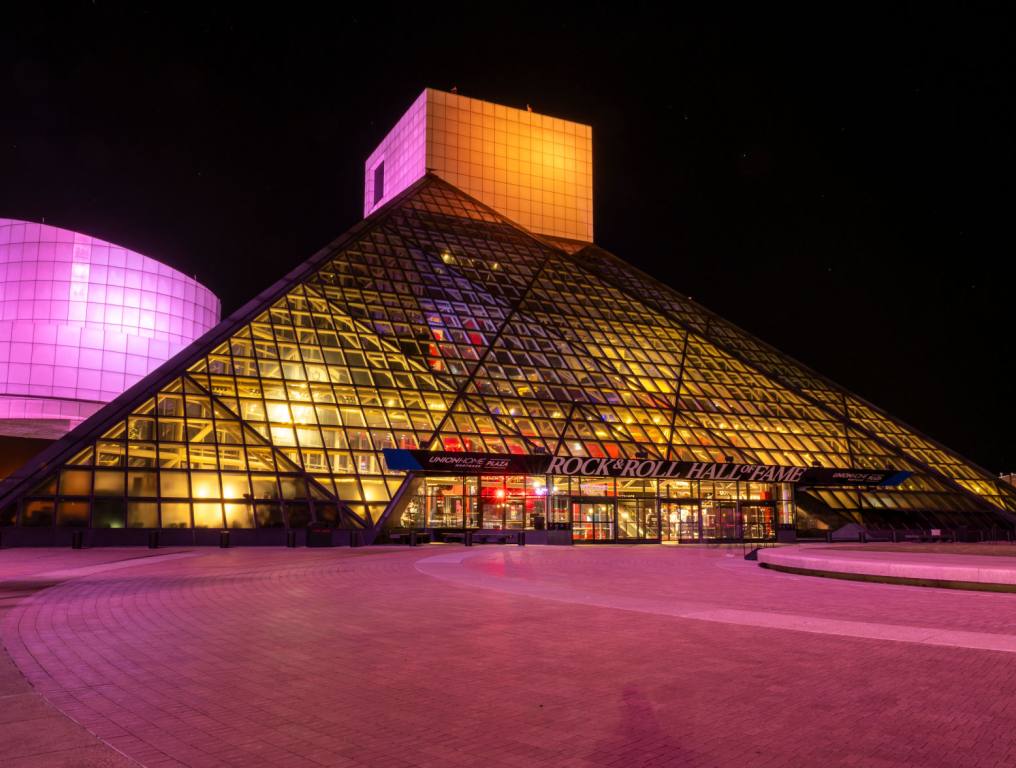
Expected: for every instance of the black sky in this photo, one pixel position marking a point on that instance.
(841, 186)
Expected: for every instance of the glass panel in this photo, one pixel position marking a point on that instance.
(108, 513)
(142, 455)
(293, 487)
(239, 516)
(374, 489)
(172, 456)
(109, 483)
(175, 515)
(636, 519)
(235, 486)
(140, 428)
(75, 482)
(46, 488)
(110, 454)
(348, 489)
(72, 514)
(204, 485)
(681, 522)
(38, 513)
(207, 515)
(265, 487)
(720, 520)
(269, 516)
(142, 514)
(174, 485)
(593, 521)
(142, 484)
(299, 515)
(758, 521)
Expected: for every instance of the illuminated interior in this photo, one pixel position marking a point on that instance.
(441, 324)
(600, 509)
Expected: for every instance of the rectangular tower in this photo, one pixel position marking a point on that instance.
(535, 169)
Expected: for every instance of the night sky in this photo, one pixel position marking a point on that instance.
(840, 186)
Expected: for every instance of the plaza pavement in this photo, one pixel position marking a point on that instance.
(498, 656)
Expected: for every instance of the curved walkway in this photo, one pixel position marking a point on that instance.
(510, 656)
(33, 733)
(897, 564)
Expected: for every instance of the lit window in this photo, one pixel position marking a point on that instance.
(379, 182)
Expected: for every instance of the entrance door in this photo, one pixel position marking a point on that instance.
(593, 520)
(681, 521)
(758, 521)
(637, 520)
(721, 522)
(514, 514)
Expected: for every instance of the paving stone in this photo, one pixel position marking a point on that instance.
(612, 656)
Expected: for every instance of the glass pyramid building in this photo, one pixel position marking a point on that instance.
(438, 324)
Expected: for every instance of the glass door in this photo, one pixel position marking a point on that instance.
(720, 521)
(758, 520)
(681, 521)
(514, 514)
(593, 520)
(637, 520)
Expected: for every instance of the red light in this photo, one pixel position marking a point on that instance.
(499, 493)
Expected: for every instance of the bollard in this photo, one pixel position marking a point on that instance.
(224, 539)
(861, 537)
(412, 538)
(521, 540)
(153, 539)
(290, 538)
(354, 538)
(829, 536)
(77, 538)
(468, 539)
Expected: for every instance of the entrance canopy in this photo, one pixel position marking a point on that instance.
(471, 463)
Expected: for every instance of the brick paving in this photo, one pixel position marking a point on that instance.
(417, 657)
(33, 733)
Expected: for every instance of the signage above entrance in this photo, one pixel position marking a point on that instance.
(465, 463)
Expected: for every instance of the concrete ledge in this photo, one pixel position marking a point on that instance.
(977, 572)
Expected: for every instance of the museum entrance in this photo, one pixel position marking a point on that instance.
(758, 521)
(724, 520)
(593, 519)
(681, 521)
(637, 519)
(596, 510)
(597, 520)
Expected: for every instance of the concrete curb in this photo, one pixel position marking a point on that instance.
(915, 569)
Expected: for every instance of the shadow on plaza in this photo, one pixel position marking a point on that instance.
(640, 736)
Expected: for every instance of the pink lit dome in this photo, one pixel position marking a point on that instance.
(81, 320)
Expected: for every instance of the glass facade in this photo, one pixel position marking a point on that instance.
(439, 324)
(596, 509)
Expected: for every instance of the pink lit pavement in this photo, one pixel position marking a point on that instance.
(493, 656)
